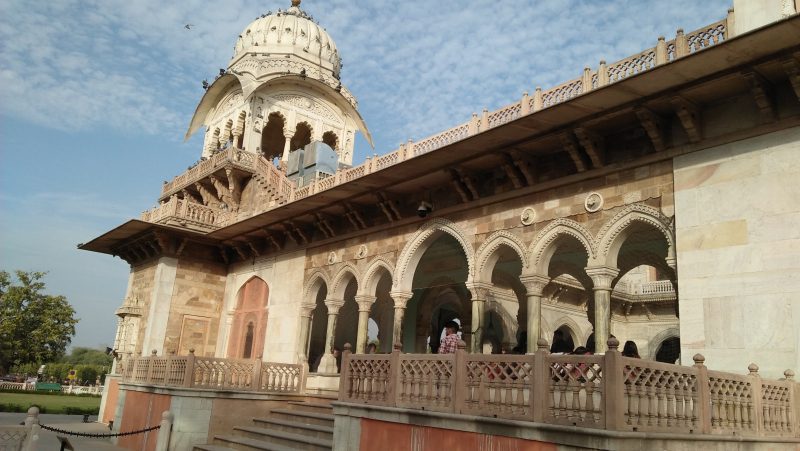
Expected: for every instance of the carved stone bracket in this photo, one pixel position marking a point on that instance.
(593, 144)
(654, 125)
(571, 147)
(689, 115)
(761, 89)
(792, 68)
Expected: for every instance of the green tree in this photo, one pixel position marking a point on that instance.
(88, 356)
(34, 326)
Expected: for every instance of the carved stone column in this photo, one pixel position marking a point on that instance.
(400, 299)
(288, 134)
(305, 330)
(480, 293)
(328, 363)
(364, 302)
(534, 287)
(602, 276)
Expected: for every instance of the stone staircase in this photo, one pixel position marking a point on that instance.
(299, 426)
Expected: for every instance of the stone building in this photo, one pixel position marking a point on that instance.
(652, 200)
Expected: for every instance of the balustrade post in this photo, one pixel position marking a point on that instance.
(168, 369)
(344, 376)
(472, 128)
(730, 24)
(484, 120)
(703, 394)
(586, 80)
(613, 387)
(541, 381)
(755, 384)
(681, 45)
(258, 365)
(460, 379)
(602, 74)
(150, 365)
(538, 99)
(661, 51)
(165, 431)
(409, 149)
(525, 104)
(188, 377)
(394, 389)
(794, 402)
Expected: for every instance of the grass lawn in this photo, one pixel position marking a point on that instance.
(51, 403)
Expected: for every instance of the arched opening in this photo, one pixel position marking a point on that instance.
(331, 139)
(319, 325)
(302, 136)
(272, 139)
(347, 320)
(563, 340)
(506, 306)
(382, 312)
(669, 351)
(439, 294)
(248, 341)
(240, 127)
(214, 145)
(249, 325)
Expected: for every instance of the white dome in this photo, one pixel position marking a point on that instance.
(290, 32)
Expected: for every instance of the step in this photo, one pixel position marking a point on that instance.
(310, 406)
(237, 442)
(211, 448)
(312, 430)
(290, 439)
(322, 419)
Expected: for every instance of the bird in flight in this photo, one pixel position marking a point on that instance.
(188, 26)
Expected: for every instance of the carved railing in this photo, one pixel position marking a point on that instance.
(284, 191)
(593, 391)
(214, 374)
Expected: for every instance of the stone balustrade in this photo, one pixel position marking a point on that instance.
(664, 52)
(251, 375)
(593, 391)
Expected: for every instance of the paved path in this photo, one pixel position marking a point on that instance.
(48, 440)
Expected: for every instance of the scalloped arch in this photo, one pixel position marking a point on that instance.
(612, 234)
(541, 248)
(414, 249)
(487, 251)
(318, 275)
(369, 286)
(340, 281)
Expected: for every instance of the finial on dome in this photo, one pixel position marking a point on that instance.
(296, 2)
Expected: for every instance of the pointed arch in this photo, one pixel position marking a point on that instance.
(249, 322)
(544, 246)
(654, 344)
(373, 275)
(487, 254)
(316, 280)
(579, 332)
(617, 230)
(414, 249)
(343, 277)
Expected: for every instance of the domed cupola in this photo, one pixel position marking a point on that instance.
(290, 33)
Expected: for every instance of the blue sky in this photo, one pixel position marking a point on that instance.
(96, 95)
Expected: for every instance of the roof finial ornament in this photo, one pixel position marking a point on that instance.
(296, 2)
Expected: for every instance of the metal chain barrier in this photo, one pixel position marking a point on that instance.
(87, 434)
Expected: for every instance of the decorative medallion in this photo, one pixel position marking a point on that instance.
(362, 251)
(332, 258)
(527, 216)
(593, 202)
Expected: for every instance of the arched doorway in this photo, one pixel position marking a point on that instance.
(272, 139)
(669, 351)
(319, 324)
(249, 325)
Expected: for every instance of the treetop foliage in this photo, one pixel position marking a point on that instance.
(34, 327)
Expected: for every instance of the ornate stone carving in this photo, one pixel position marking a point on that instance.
(553, 230)
(332, 258)
(593, 203)
(361, 252)
(308, 104)
(341, 279)
(528, 216)
(631, 213)
(491, 244)
(369, 282)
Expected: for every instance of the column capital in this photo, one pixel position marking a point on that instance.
(479, 290)
(400, 298)
(306, 309)
(287, 133)
(602, 276)
(534, 283)
(334, 305)
(365, 302)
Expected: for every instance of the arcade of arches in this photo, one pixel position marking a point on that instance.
(504, 288)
